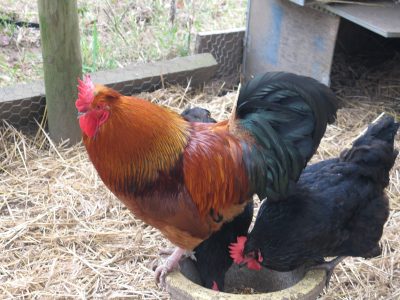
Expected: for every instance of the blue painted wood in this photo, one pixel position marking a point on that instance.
(282, 36)
(274, 35)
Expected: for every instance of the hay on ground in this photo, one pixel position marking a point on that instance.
(63, 234)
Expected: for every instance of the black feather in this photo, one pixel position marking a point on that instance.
(337, 208)
(197, 114)
(212, 255)
(287, 114)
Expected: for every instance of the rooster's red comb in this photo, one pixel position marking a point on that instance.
(236, 249)
(85, 94)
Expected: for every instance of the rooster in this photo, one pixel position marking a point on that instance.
(337, 208)
(188, 178)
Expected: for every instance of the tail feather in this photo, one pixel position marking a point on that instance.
(287, 115)
(374, 152)
(384, 128)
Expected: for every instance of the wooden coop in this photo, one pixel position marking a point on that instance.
(288, 35)
(300, 35)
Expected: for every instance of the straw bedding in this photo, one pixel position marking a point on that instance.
(63, 234)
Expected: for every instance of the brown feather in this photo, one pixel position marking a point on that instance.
(144, 138)
(213, 168)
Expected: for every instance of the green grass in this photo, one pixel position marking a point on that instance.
(116, 33)
(143, 32)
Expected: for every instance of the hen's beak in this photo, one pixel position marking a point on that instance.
(80, 114)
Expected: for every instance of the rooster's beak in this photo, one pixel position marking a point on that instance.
(80, 114)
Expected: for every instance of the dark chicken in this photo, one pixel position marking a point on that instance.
(338, 208)
(212, 255)
(197, 114)
(188, 178)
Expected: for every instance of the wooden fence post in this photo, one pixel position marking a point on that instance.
(62, 64)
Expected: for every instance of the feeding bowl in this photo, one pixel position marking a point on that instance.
(267, 284)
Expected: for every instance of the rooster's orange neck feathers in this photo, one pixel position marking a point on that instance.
(144, 139)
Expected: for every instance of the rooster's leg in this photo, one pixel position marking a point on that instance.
(329, 267)
(169, 251)
(169, 265)
(166, 251)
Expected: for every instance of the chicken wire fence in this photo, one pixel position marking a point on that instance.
(23, 106)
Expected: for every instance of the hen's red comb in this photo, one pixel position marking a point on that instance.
(85, 94)
(215, 286)
(236, 249)
(236, 252)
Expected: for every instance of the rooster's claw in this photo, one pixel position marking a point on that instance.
(168, 266)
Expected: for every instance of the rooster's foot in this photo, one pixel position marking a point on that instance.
(171, 263)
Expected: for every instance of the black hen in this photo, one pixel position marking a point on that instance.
(197, 114)
(338, 208)
(212, 255)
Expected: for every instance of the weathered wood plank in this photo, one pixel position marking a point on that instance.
(282, 36)
(382, 18)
